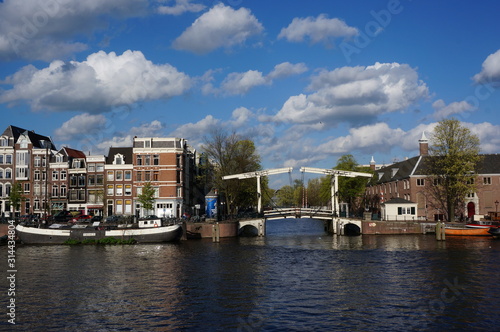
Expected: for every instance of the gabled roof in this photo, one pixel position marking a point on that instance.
(397, 171)
(490, 164)
(73, 153)
(126, 152)
(36, 139)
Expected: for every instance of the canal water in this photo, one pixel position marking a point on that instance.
(297, 278)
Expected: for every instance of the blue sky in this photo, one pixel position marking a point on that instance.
(308, 81)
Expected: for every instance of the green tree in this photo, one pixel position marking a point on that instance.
(351, 190)
(16, 196)
(147, 196)
(232, 154)
(452, 166)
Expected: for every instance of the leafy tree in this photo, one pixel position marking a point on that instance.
(453, 165)
(16, 196)
(147, 197)
(351, 190)
(231, 154)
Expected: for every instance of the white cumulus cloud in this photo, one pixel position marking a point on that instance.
(42, 29)
(354, 94)
(317, 29)
(490, 71)
(180, 7)
(442, 111)
(102, 82)
(221, 26)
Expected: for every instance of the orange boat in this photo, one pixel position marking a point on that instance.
(467, 231)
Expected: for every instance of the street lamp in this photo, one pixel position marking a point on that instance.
(496, 207)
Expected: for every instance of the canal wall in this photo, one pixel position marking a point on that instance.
(201, 230)
(4, 228)
(396, 227)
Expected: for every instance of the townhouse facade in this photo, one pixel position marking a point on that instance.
(67, 179)
(407, 181)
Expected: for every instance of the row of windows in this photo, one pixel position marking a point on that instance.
(147, 159)
(119, 175)
(95, 167)
(122, 206)
(6, 159)
(119, 190)
(148, 175)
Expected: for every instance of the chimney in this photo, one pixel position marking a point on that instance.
(372, 164)
(424, 145)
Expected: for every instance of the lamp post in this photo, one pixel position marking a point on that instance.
(496, 208)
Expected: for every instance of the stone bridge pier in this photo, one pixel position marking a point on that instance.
(252, 227)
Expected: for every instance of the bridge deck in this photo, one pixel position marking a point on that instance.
(283, 213)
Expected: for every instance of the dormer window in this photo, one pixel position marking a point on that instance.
(119, 159)
(394, 171)
(4, 141)
(23, 143)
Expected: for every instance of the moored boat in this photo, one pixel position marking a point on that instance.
(482, 224)
(60, 234)
(495, 231)
(466, 231)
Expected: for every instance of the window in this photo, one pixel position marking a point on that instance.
(78, 163)
(38, 162)
(156, 159)
(128, 175)
(73, 180)
(147, 159)
(178, 160)
(147, 176)
(420, 182)
(147, 144)
(178, 177)
(59, 158)
(128, 190)
(1, 190)
(21, 173)
(8, 173)
(119, 190)
(139, 160)
(119, 175)
(4, 141)
(99, 179)
(99, 167)
(155, 175)
(63, 175)
(22, 158)
(91, 180)
(8, 159)
(1, 173)
(118, 160)
(110, 175)
(110, 190)
(119, 206)
(91, 168)
(36, 189)
(487, 180)
(64, 190)
(1, 158)
(81, 180)
(55, 175)
(139, 176)
(26, 188)
(128, 206)
(55, 191)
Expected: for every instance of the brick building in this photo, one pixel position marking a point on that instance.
(407, 180)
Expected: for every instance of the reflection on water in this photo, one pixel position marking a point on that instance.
(295, 278)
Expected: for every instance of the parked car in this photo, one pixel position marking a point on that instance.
(113, 218)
